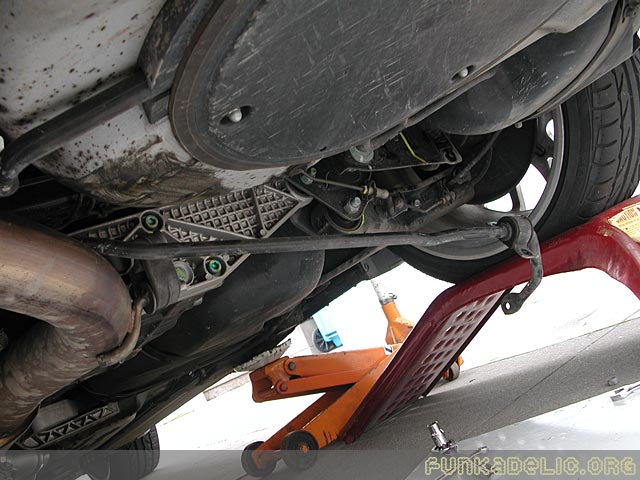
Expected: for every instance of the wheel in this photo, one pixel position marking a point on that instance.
(454, 372)
(136, 459)
(320, 343)
(583, 160)
(299, 450)
(249, 465)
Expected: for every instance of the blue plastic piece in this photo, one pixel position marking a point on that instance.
(326, 328)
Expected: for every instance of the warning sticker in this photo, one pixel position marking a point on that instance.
(628, 220)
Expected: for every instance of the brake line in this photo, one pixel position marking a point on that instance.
(463, 173)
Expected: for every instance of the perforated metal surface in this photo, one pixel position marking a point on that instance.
(250, 213)
(447, 341)
(244, 214)
(234, 212)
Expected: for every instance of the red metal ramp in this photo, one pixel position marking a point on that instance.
(454, 318)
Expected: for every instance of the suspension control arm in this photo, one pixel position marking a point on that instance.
(515, 232)
(141, 251)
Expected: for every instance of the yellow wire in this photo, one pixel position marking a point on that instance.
(413, 154)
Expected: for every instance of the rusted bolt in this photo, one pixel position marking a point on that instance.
(353, 205)
(283, 387)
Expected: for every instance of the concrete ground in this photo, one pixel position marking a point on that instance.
(483, 399)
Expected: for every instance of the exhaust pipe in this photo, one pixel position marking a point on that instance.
(85, 310)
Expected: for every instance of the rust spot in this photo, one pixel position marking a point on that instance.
(604, 231)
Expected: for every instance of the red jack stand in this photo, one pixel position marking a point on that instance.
(608, 242)
(385, 382)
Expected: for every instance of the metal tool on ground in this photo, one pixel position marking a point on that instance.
(445, 446)
(622, 393)
(440, 441)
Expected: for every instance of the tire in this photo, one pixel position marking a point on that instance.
(321, 344)
(600, 167)
(454, 372)
(249, 465)
(137, 459)
(299, 450)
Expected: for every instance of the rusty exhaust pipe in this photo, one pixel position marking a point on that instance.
(85, 310)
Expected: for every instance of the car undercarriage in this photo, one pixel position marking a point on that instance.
(185, 182)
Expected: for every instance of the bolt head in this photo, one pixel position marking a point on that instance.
(151, 221)
(417, 203)
(360, 155)
(464, 73)
(235, 115)
(214, 266)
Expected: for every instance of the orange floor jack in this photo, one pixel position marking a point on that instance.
(345, 377)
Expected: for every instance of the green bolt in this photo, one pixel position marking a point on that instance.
(151, 221)
(214, 266)
(307, 178)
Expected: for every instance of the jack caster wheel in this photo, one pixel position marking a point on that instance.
(320, 343)
(454, 372)
(249, 464)
(299, 450)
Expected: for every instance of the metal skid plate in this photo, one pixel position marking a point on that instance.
(244, 214)
(608, 243)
